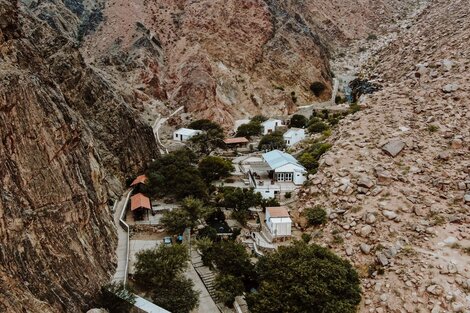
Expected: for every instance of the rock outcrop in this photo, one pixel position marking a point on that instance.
(67, 141)
(228, 59)
(396, 194)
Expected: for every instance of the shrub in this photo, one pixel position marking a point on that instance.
(228, 287)
(315, 216)
(317, 88)
(372, 37)
(259, 119)
(288, 195)
(317, 127)
(306, 237)
(433, 128)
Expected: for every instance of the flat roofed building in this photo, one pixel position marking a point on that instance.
(293, 136)
(184, 134)
(278, 222)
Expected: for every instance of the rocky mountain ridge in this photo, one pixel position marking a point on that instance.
(229, 59)
(397, 180)
(68, 140)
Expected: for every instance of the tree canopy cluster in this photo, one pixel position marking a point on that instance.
(211, 138)
(160, 271)
(186, 216)
(304, 278)
(272, 141)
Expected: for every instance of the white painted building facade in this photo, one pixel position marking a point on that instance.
(285, 167)
(270, 125)
(294, 136)
(184, 134)
(278, 222)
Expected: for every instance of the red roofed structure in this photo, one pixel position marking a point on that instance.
(139, 180)
(140, 205)
(236, 142)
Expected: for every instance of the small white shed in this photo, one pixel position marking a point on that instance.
(278, 222)
(293, 136)
(270, 125)
(184, 134)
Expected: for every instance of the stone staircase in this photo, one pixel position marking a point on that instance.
(207, 276)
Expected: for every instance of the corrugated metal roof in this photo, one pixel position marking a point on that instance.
(278, 158)
(140, 201)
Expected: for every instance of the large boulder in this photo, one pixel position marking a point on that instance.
(393, 147)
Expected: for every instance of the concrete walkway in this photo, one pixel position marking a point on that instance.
(123, 241)
(206, 304)
(156, 128)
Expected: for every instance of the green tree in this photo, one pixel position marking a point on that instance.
(318, 127)
(116, 298)
(240, 200)
(155, 267)
(315, 216)
(305, 278)
(272, 141)
(249, 130)
(177, 296)
(228, 287)
(214, 168)
(259, 119)
(160, 272)
(317, 88)
(206, 142)
(298, 121)
(231, 258)
(176, 174)
(206, 125)
(177, 220)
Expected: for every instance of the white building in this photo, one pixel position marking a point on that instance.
(278, 222)
(293, 136)
(284, 167)
(184, 134)
(270, 125)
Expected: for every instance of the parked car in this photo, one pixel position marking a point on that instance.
(167, 241)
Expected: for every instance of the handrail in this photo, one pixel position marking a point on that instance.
(125, 226)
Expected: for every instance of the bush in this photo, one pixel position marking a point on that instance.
(317, 127)
(288, 195)
(317, 88)
(315, 216)
(372, 37)
(116, 298)
(433, 128)
(306, 237)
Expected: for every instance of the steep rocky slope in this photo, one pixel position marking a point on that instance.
(226, 59)
(397, 180)
(68, 139)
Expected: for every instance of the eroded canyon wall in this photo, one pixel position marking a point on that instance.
(67, 141)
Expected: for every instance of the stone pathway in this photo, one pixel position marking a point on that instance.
(206, 275)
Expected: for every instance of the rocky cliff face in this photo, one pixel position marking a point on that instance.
(67, 140)
(397, 180)
(226, 59)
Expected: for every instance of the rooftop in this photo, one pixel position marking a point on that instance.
(187, 131)
(278, 158)
(139, 180)
(293, 130)
(140, 201)
(272, 120)
(235, 140)
(277, 212)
